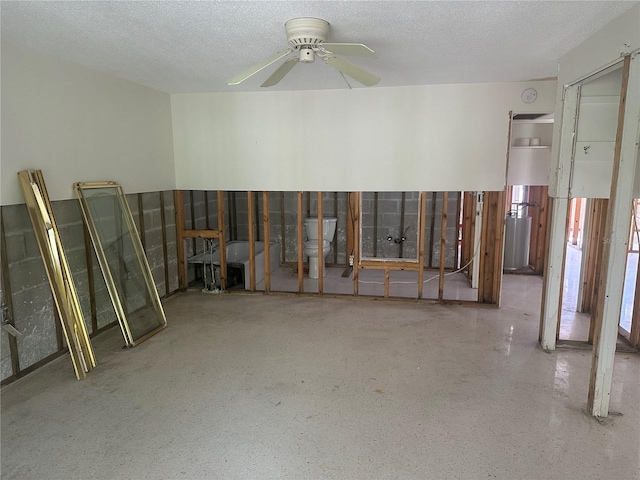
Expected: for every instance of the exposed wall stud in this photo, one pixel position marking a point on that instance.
(422, 218)
(300, 232)
(222, 241)
(165, 252)
(252, 241)
(180, 227)
(443, 244)
(320, 245)
(267, 241)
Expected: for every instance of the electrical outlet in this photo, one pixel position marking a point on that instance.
(351, 260)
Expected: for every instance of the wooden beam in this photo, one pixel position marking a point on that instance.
(432, 227)
(266, 227)
(165, 252)
(443, 244)
(386, 283)
(192, 208)
(206, 210)
(335, 236)
(300, 232)
(222, 241)
(252, 240)
(283, 230)
(403, 201)
(200, 234)
(616, 239)
(178, 200)
(491, 248)
(349, 233)
(422, 220)
(383, 264)
(355, 212)
(320, 245)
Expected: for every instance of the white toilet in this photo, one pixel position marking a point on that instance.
(311, 245)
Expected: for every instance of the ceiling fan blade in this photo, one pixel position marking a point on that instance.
(365, 78)
(280, 72)
(350, 49)
(249, 72)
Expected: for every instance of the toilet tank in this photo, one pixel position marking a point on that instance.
(328, 228)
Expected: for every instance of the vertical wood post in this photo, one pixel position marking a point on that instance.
(300, 231)
(252, 240)
(165, 253)
(178, 199)
(443, 244)
(355, 212)
(222, 241)
(616, 239)
(267, 241)
(320, 246)
(422, 219)
(491, 248)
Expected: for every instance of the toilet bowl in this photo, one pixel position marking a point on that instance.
(310, 247)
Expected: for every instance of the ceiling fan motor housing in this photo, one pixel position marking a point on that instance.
(306, 32)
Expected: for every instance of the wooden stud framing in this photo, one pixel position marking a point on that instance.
(615, 247)
(592, 252)
(443, 244)
(355, 215)
(266, 227)
(382, 264)
(165, 253)
(283, 230)
(206, 210)
(421, 224)
(457, 259)
(403, 201)
(386, 283)
(256, 203)
(200, 234)
(300, 232)
(182, 261)
(491, 248)
(192, 208)
(335, 237)
(432, 226)
(538, 195)
(320, 245)
(252, 240)
(222, 241)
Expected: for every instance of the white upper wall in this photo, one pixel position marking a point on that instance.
(77, 125)
(434, 137)
(601, 49)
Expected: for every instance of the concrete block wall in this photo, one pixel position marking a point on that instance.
(29, 289)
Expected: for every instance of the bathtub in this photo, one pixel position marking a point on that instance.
(237, 256)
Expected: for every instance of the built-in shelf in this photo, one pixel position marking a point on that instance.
(531, 146)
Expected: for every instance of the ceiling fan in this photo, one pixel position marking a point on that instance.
(307, 38)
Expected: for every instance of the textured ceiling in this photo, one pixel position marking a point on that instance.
(197, 46)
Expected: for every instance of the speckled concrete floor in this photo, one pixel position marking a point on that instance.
(258, 387)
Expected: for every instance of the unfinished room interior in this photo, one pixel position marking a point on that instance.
(311, 239)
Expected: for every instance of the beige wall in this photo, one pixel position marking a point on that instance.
(79, 125)
(436, 137)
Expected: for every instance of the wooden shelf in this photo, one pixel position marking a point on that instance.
(531, 146)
